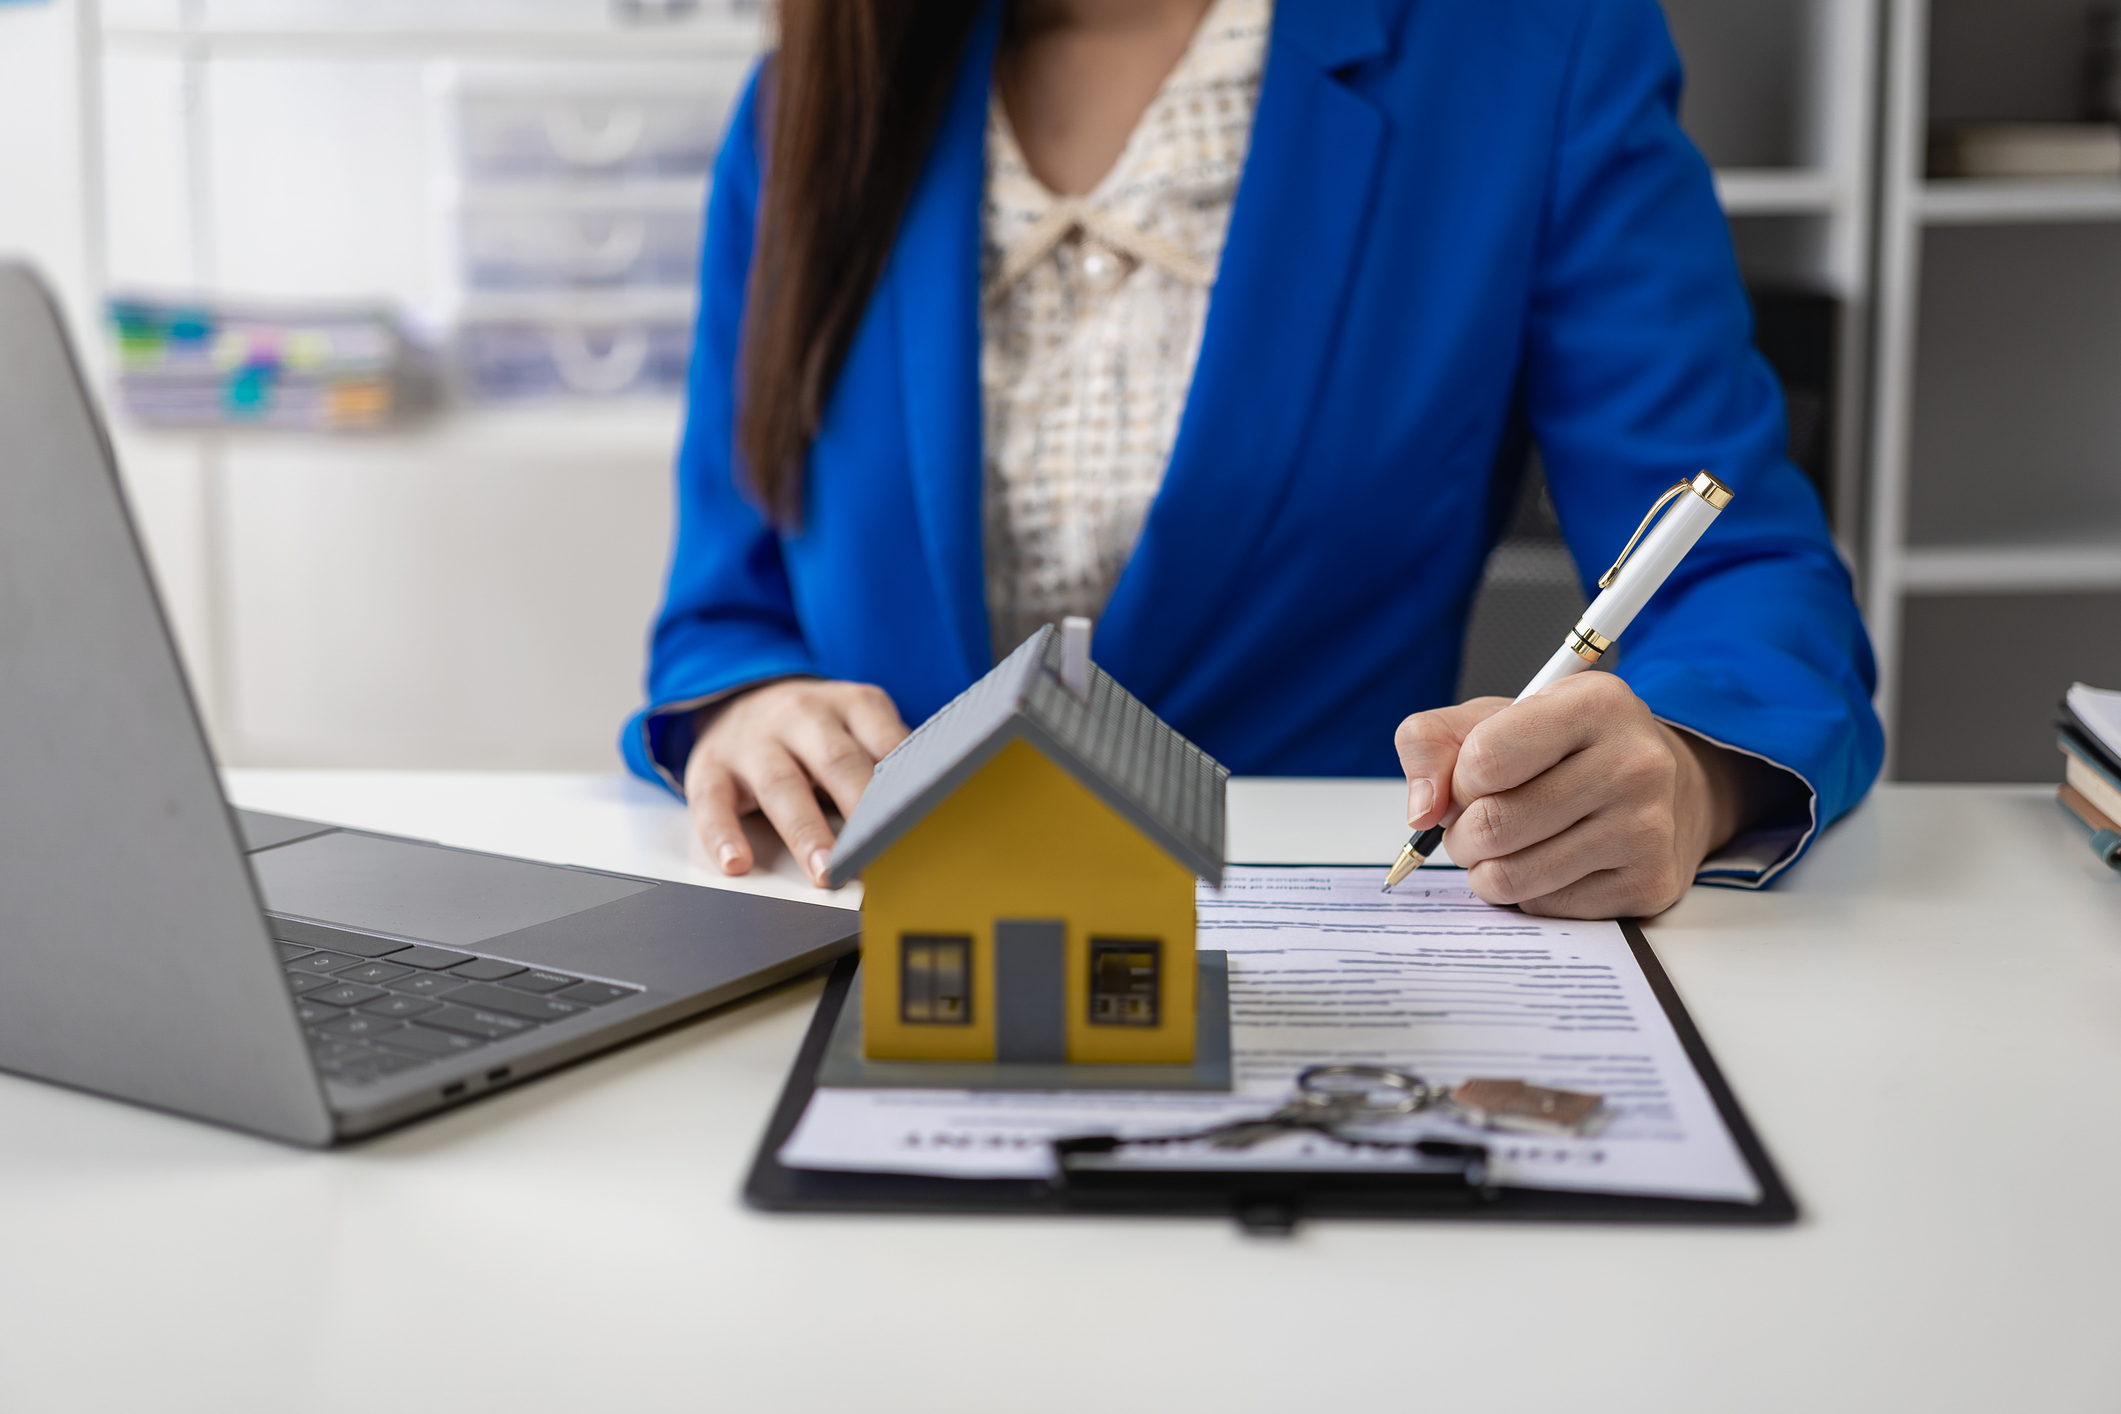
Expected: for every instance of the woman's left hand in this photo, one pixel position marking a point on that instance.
(1576, 802)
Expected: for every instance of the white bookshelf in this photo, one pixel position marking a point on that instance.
(474, 589)
(1969, 203)
(1748, 191)
(1781, 98)
(698, 39)
(1995, 524)
(335, 28)
(2011, 569)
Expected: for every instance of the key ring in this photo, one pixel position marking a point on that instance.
(1410, 1092)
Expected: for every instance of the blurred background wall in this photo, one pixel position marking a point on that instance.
(404, 287)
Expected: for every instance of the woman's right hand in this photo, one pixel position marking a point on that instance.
(772, 749)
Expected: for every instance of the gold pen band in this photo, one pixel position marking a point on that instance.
(1587, 643)
(1709, 489)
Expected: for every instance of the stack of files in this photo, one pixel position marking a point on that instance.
(2091, 750)
(195, 363)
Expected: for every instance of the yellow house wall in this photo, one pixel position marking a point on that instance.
(1023, 839)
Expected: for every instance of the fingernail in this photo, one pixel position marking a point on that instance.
(1421, 796)
(727, 856)
(820, 862)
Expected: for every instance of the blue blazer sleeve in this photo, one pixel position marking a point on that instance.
(728, 616)
(1639, 364)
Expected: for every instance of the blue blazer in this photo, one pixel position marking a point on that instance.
(1458, 217)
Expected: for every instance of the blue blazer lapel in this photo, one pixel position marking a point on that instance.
(1295, 236)
(933, 283)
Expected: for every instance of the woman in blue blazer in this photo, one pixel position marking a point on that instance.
(1457, 219)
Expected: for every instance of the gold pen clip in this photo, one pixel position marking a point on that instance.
(1707, 487)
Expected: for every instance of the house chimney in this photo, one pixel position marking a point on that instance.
(1075, 656)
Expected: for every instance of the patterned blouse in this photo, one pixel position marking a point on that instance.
(1093, 312)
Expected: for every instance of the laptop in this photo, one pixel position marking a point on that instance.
(283, 976)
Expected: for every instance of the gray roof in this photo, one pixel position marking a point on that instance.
(1126, 755)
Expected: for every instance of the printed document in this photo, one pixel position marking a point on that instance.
(1325, 968)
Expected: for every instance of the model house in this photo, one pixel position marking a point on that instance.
(1029, 858)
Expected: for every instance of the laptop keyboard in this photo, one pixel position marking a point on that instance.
(374, 1007)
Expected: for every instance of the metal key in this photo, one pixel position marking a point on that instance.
(1328, 1096)
(1297, 1114)
(1331, 1096)
(1515, 1105)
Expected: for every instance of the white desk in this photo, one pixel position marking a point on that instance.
(1924, 1022)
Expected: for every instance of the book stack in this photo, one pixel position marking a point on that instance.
(2091, 751)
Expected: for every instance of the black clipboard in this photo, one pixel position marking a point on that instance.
(1266, 1201)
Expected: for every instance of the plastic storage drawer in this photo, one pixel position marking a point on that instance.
(517, 135)
(569, 249)
(531, 360)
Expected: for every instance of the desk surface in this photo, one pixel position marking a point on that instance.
(1921, 1021)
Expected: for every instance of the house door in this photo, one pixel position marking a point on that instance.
(1030, 990)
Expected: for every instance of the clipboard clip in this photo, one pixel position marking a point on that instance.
(1330, 1102)
(1707, 487)
(1267, 1202)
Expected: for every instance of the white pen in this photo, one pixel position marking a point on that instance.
(1624, 589)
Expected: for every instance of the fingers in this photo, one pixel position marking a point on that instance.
(1572, 805)
(873, 720)
(1619, 774)
(1428, 744)
(1513, 821)
(1590, 870)
(1507, 749)
(1550, 864)
(711, 794)
(840, 745)
(788, 799)
(833, 758)
(1610, 893)
(773, 749)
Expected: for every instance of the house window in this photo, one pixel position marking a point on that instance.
(935, 979)
(1126, 981)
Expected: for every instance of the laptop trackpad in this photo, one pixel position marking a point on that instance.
(424, 891)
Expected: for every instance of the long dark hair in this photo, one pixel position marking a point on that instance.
(852, 99)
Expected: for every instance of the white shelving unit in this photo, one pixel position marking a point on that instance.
(1767, 192)
(1994, 544)
(704, 38)
(1965, 203)
(472, 591)
(1781, 98)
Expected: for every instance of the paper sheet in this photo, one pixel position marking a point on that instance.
(2100, 710)
(1326, 968)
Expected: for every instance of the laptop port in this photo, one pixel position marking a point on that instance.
(495, 1077)
(450, 1092)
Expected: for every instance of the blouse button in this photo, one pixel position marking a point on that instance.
(1102, 269)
